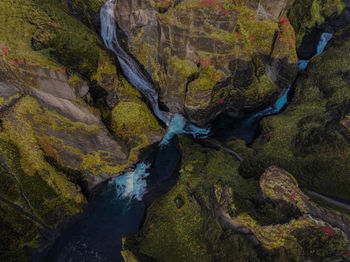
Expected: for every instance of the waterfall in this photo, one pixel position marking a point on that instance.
(179, 125)
(279, 104)
(132, 184)
(325, 37)
(136, 77)
(130, 68)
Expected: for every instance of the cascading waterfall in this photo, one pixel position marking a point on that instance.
(179, 125)
(118, 211)
(245, 128)
(133, 72)
(133, 184)
(325, 37)
(130, 68)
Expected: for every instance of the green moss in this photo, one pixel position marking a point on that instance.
(129, 121)
(85, 10)
(184, 67)
(306, 14)
(209, 178)
(260, 89)
(49, 36)
(17, 231)
(132, 121)
(8, 188)
(308, 139)
(171, 233)
(35, 192)
(128, 256)
(105, 67)
(318, 246)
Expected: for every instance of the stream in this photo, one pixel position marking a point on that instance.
(120, 208)
(245, 128)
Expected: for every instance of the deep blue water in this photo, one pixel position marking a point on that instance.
(98, 234)
(246, 127)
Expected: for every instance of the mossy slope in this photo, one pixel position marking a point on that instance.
(213, 214)
(307, 14)
(310, 138)
(58, 86)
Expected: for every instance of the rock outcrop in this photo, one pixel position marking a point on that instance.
(282, 188)
(310, 139)
(61, 133)
(209, 57)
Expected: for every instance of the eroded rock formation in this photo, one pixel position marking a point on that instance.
(208, 57)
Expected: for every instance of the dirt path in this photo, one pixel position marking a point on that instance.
(330, 200)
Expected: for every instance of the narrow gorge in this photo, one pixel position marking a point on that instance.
(186, 130)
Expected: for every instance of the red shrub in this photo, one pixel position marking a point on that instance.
(205, 63)
(14, 62)
(5, 50)
(284, 21)
(208, 3)
(328, 231)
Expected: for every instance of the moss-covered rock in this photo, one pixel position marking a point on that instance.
(307, 14)
(51, 36)
(310, 138)
(212, 56)
(37, 189)
(133, 121)
(86, 11)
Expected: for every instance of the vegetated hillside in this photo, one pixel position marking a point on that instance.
(61, 100)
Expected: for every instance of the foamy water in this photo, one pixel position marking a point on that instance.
(132, 184)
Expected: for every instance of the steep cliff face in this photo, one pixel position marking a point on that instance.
(65, 117)
(311, 138)
(208, 57)
(213, 214)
